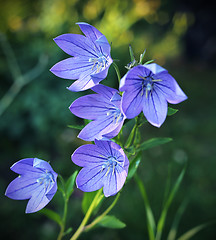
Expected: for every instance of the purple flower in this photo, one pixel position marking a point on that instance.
(104, 109)
(91, 58)
(148, 88)
(104, 165)
(36, 182)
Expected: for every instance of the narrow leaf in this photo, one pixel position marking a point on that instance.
(149, 215)
(111, 222)
(87, 200)
(137, 137)
(69, 186)
(51, 215)
(69, 230)
(150, 61)
(131, 150)
(130, 138)
(142, 57)
(171, 111)
(173, 231)
(194, 231)
(133, 167)
(171, 196)
(131, 53)
(79, 127)
(152, 143)
(61, 185)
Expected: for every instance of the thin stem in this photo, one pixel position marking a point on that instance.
(99, 218)
(133, 133)
(19, 79)
(9, 96)
(20, 82)
(61, 233)
(11, 59)
(117, 71)
(87, 216)
(131, 137)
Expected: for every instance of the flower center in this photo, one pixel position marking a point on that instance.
(117, 115)
(46, 178)
(148, 84)
(100, 63)
(110, 164)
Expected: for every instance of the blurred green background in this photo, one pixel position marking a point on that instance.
(179, 35)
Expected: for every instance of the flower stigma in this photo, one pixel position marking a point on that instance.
(117, 115)
(110, 163)
(101, 62)
(47, 178)
(148, 84)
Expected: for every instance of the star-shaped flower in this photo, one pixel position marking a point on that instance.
(104, 165)
(36, 182)
(148, 88)
(91, 58)
(104, 108)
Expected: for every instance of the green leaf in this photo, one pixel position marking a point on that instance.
(137, 137)
(51, 215)
(87, 200)
(69, 186)
(171, 111)
(152, 143)
(149, 213)
(61, 185)
(131, 53)
(79, 127)
(174, 227)
(150, 61)
(69, 230)
(194, 231)
(111, 222)
(142, 57)
(130, 138)
(61, 190)
(131, 150)
(167, 204)
(133, 166)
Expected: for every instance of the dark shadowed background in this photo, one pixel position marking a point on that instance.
(34, 114)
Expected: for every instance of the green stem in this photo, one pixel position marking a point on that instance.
(99, 218)
(117, 71)
(131, 139)
(61, 233)
(87, 216)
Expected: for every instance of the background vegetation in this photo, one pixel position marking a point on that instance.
(179, 35)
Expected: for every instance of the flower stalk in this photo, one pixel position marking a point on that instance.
(117, 71)
(87, 216)
(99, 218)
(62, 229)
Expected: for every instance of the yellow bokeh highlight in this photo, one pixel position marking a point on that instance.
(14, 23)
(182, 21)
(117, 20)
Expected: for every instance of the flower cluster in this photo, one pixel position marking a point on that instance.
(148, 88)
(145, 88)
